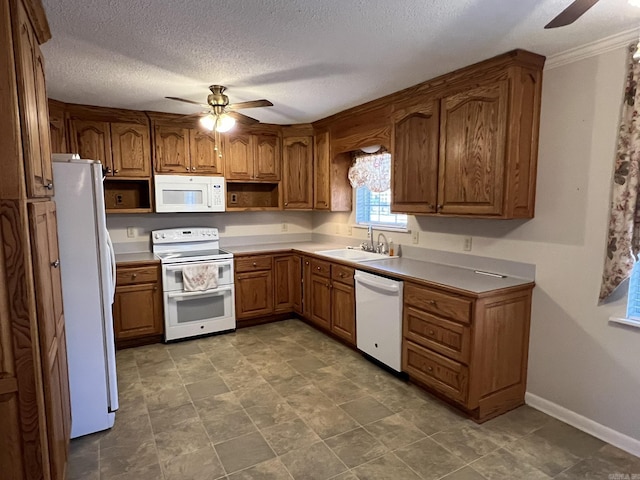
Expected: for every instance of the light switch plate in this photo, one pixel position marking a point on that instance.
(415, 237)
(468, 241)
(285, 227)
(131, 232)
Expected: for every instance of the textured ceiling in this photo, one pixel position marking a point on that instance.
(311, 58)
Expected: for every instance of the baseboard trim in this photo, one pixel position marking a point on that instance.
(615, 438)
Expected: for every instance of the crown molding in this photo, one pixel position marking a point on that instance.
(598, 47)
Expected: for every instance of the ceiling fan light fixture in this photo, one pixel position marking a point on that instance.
(225, 123)
(208, 122)
(371, 149)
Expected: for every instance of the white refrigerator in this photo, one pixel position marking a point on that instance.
(87, 267)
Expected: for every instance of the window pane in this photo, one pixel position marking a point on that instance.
(633, 302)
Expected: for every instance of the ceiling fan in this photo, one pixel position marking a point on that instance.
(571, 13)
(221, 115)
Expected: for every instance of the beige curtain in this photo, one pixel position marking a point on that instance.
(623, 242)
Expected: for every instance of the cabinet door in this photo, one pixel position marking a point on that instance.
(283, 283)
(131, 148)
(472, 150)
(295, 271)
(297, 160)
(57, 129)
(267, 157)
(343, 311)
(254, 294)
(306, 287)
(414, 178)
(238, 157)
(30, 80)
(137, 311)
(205, 154)
(51, 329)
(321, 172)
(172, 149)
(92, 140)
(320, 301)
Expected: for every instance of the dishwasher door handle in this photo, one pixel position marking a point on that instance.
(379, 285)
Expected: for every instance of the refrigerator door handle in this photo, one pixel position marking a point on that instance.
(112, 257)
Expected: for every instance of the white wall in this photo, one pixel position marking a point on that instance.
(234, 228)
(577, 359)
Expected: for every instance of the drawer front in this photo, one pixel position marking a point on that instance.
(318, 267)
(134, 275)
(448, 338)
(447, 376)
(439, 303)
(342, 274)
(253, 263)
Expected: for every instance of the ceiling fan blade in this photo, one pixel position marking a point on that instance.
(251, 104)
(187, 101)
(243, 118)
(571, 13)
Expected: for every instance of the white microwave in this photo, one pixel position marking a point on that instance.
(189, 193)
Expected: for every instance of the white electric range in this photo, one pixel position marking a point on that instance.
(189, 314)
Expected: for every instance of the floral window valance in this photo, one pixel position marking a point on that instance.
(372, 171)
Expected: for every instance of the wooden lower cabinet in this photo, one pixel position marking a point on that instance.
(254, 286)
(320, 299)
(470, 350)
(137, 309)
(343, 311)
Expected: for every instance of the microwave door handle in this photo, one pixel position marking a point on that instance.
(204, 293)
(210, 195)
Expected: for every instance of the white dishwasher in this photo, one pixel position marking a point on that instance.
(379, 318)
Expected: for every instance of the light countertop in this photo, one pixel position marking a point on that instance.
(140, 257)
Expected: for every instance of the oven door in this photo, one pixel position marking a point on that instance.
(172, 275)
(188, 314)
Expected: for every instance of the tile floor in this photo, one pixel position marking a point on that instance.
(282, 401)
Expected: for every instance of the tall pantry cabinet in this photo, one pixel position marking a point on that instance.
(35, 416)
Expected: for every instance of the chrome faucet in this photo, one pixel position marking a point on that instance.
(368, 246)
(382, 247)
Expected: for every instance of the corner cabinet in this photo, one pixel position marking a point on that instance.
(465, 144)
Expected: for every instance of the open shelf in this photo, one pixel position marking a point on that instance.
(243, 196)
(127, 195)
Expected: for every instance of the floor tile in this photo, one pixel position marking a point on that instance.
(315, 462)
(287, 436)
(186, 437)
(366, 410)
(467, 442)
(327, 422)
(260, 394)
(242, 452)
(167, 418)
(171, 396)
(270, 470)
(432, 419)
(149, 472)
(388, 467)
(126, 459)
(429, 459)
(571, 439)
(209, 387)
(227, 425)
(306, 363)
(540, 453)
(270, 414)
(289, 385)
(503, 464)
(465, 473)
(395, 431)
(356, 447)
(608, 462)
(201, 464)
(127, 431)
(213, 406)
(517, 423)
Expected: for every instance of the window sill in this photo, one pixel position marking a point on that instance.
(630, 322)
(384, 228)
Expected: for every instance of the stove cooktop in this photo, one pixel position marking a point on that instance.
(193, 255)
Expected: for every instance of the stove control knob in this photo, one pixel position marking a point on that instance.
(156, 235)
(163, 235)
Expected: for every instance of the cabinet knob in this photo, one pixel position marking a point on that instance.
(318, 268)
(286, 203)
(56, 263)
(306, 263)
(341, 275)
(430, 369)
(134, 275)
(431, 332)
(255, 264)
(116, 171)
(49, 186)
(438, 207)
(155, 289)
(187, 169)
(193, 169)
(328, 285)
(431, 302)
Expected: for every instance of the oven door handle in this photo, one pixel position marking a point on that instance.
(203, 293)
(176, 268)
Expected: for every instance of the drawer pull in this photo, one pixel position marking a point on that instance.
(431, 332)
(56, 263)
(431, 302)
(49, 186)
(430, 368)
(255, 264)
(134, 275)
(306, 263)
(318, 268)
(341, 275)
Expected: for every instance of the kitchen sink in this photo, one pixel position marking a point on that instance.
(353, 255)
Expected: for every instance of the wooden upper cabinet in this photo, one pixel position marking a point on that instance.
(172, 149)
(33, 109)
(91, 140)
(57, 127)
(267, 157)
(238, 156)
(51, 328)
(414, 178)
(472, 150)
(205, 156)
(131, 150)
(297, 179)
(321, 172)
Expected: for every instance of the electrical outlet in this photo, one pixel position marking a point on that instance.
(467, 244)
(285, 227)
(415, 237)
(131, 232)
(234, 198)
(349, 231)
(119, 199)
